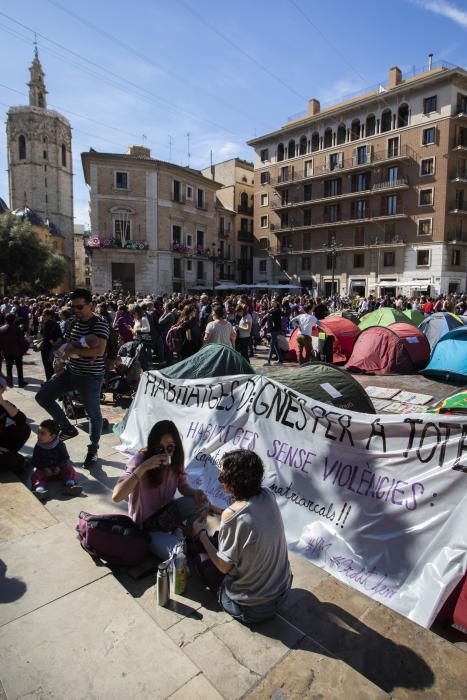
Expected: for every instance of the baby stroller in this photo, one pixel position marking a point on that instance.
(123, 381)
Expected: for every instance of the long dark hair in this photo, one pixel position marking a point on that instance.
(164, 427)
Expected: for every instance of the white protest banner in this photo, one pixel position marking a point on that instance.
(380, 502)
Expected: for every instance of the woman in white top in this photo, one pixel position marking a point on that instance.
(220, 330)
(244, 330)
(141, 324)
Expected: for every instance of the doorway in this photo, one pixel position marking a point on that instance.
(123, 277)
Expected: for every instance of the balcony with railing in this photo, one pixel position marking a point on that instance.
(116, 244)
(459, 176)
(246, 236)
(297, 248)
(400, 183)
(457, 237)
(458, 206)
(224, 231)
(244, 209)
(391, 154)
(460, 143)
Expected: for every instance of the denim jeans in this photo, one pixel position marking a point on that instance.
(274, 347)
(89, 389)
(162, 543)
(249, 614)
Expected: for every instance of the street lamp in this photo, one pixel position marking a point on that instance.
(332, 249)
(215, 256)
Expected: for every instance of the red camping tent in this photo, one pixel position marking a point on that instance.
(344, 331)
(398, 348)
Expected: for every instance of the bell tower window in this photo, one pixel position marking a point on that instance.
(22, 147)
(63, 155)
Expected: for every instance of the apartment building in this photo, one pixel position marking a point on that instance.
(237, 196)
(369, 195)
(155, 226)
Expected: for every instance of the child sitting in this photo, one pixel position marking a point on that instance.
(50, 460)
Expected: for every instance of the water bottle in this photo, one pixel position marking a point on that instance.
(162, 585)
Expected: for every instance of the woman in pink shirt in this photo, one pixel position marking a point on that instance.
(151, 480)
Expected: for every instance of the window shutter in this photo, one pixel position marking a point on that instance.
(341, 160)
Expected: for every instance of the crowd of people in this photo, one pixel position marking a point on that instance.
(80, 337)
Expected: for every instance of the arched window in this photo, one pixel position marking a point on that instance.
(63, 155)
(292, 148)
(403, 116)
(386, 119)
(328, 138)
(341, 131)
(370, 128)
(40, 99)
(314, 141)
(244, 201)
(355, 130)
(302, 145)
(22, 147)
(121, 225)
(280, 152)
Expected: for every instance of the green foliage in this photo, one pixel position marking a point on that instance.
(28, 264)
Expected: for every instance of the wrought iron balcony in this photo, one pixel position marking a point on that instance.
(460, 175)
(458, 207)
(241, 209)
(246, 236)
(457, 237)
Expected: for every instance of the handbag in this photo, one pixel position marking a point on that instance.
(166, 519)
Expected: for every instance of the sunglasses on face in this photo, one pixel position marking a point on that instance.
(169, 449)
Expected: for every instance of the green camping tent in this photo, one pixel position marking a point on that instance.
(415, 316)
(453, 404)
(213, 360)
(348, 314)
(328, 384)
(384, 317)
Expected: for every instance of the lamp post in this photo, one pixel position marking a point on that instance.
(214, 257)
(332, 249)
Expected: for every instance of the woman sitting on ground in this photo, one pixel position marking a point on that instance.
(150, 481)
(250, 571)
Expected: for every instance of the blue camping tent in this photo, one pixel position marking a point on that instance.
(449, 358)
(438, 324)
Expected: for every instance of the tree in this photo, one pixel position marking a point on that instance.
(28, 264)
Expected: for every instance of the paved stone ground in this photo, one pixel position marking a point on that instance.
(71, 629)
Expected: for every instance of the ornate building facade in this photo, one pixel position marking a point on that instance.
(40, 163)
(369, 195)
(155, 226)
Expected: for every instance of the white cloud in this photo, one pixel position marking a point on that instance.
(342, 89)
(445, 9)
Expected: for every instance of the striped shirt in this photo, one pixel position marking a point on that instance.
(94, 366)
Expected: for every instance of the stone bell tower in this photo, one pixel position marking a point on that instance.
(40, 161)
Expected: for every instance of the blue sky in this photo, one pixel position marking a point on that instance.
(220, 71)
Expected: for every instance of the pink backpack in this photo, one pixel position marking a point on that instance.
(113, 538)
(174, 339)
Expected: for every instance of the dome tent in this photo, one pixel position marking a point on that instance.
(414, 316)
(437, 325)
(449, 358)
(385, 316)
(213, 360)
(346, 313)
(400, 348)
(328, 384)
(457, 403)
(344, 331)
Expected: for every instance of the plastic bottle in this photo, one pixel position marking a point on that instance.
(179, 569)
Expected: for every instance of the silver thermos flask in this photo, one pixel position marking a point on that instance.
(162, 585)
